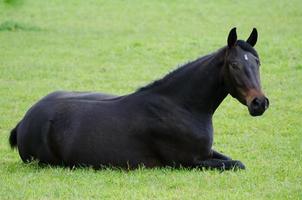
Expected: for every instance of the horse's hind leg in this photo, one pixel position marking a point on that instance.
(46, 153)
(39, 145)
(220, 156)
(220, 164)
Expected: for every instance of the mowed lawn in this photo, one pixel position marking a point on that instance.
(118, 46)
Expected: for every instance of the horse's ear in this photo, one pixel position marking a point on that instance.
(232, 38)
(252, 40)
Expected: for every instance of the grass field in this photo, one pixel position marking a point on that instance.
(118, 46)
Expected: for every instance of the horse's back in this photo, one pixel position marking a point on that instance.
(57, 95)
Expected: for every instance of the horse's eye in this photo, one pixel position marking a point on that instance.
(234, 65)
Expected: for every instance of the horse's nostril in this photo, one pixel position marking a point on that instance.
(256, 102)
(260, 103)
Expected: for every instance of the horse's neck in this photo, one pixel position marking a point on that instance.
(200, 87)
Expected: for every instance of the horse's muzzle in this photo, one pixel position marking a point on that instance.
(258, 105)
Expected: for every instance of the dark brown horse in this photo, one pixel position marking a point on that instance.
(166, 123)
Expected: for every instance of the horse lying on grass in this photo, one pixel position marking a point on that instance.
(166, 123)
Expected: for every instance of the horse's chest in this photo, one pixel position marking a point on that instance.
(187, 131)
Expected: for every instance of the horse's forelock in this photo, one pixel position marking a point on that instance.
(247, 47)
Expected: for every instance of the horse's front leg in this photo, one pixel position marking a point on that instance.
(220, 156)
(220, 164)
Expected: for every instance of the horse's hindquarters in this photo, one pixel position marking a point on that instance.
(32, 136)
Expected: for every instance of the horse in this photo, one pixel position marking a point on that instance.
(167, 123)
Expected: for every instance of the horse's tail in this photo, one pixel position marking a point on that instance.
(13, 137)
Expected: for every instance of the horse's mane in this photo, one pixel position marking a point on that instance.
(179, 69)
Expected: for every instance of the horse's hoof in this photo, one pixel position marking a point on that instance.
(238, 165)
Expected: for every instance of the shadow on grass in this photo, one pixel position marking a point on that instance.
(38, 166)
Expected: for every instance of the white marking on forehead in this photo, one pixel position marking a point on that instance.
(245, 57)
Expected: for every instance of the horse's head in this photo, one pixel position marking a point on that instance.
(241, 73)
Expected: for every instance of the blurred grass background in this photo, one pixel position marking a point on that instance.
(118, 46)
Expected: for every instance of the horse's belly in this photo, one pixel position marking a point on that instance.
(99, 137)
(113, 155)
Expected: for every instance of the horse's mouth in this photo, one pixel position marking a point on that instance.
(256, 113)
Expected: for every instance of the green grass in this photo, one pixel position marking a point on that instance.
(118, 46)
